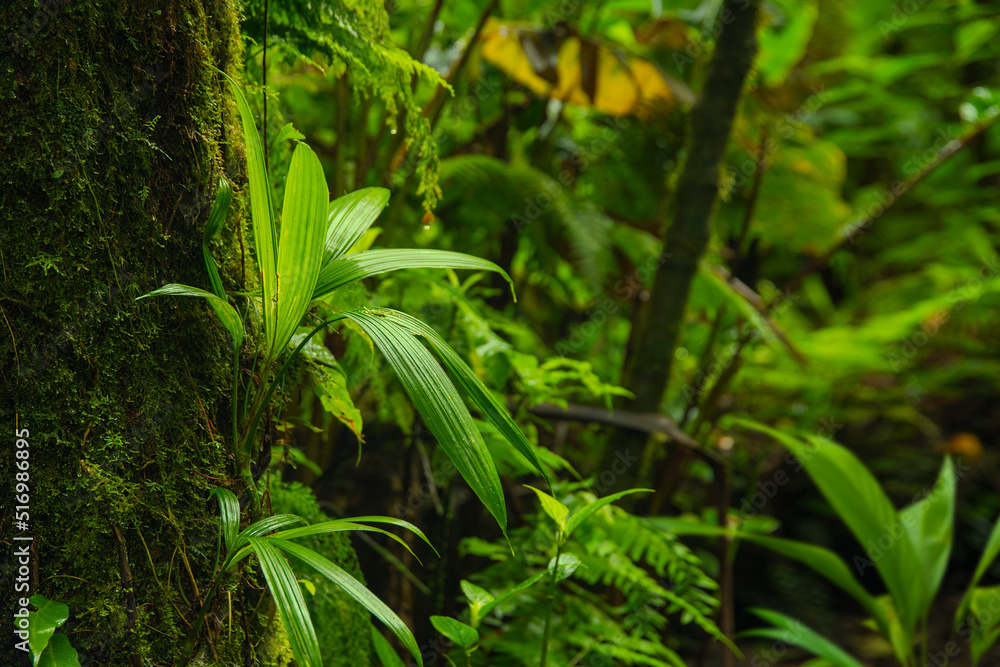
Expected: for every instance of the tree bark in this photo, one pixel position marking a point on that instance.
(657, 326)
(116, 128)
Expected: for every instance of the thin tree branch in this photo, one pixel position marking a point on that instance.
(658, 326)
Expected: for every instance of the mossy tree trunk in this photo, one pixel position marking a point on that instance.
(115, 129)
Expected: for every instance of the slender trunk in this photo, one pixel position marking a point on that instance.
(657, 327)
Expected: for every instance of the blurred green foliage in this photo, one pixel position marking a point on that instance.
(850, 289)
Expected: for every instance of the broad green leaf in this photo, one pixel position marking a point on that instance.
(220, 209)
(216, 219)
(822, 560)
(474, 594)
(477, 598)
(339, 526)
(356, 590)
(300, 248)
(356, 266)
(349, 217)
(826, 563)
(862, 504)
(986, 630)
(383, 649)
(261, 213)
(565, 567)
(269, 524)
(366, 241)
(555, 509)
(793, 632)
(314, 350)
(930, 523)
(902, 645)
(331, 388)
(458, 632)
(288, 131)
(229, 510)
(473, 388)
(439, 404)
(985, 561)
(500, 599)
(59, 653)
(43, 623)
(289, 601)
(584, 513)
(226, 313)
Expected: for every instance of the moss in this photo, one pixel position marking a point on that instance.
(114, 133)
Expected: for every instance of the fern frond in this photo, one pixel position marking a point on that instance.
(536, 204)
(355, 37)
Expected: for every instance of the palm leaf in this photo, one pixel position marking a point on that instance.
(269, 524)
(354, 267)
(338, 526)
(439, 404)
(356, 590)
(349, 217)
(383, 649)
(216, 219)
(229, 509)
(793, 632)
(226, 313)
(473, 388)
(288, 599)
(862, 504)
(930, 523)
(261, 213)
(300, 250)
(356, 521)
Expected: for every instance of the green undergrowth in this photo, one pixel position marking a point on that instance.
(341, 623)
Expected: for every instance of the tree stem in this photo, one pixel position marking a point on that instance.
(657, 326)
(548, 612)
